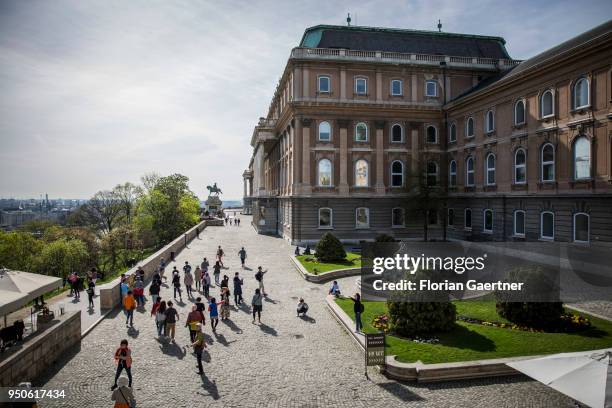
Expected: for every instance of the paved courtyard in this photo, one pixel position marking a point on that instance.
(284, 362)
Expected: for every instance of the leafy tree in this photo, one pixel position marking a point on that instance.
(60, 258)
(18, 250)
(127, 194)
(330, 249)
(37, 226)
(104, 211)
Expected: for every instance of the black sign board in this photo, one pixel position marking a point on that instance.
(375, 349)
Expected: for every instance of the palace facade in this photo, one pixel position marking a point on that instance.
(364, 118)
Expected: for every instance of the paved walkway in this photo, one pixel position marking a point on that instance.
(285, 362)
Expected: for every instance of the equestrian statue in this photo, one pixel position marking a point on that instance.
(214, 189)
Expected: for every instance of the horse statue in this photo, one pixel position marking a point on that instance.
(214, 189)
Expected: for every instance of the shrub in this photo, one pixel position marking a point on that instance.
(409, 319)
(385, 238)
(330, 249)
(536, 314)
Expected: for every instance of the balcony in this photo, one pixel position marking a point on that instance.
(264, 132)
(489, 64)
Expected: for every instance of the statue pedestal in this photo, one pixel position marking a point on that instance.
(212, 204)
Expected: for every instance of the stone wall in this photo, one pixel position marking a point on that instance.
(39, 352)
(110, 295)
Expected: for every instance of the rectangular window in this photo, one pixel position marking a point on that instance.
(468, 219)
(324, 83)
(397, 217)
(451, 217)
(396, 87)
(361, 86)
(488, 221)
(325, 218)
(519, 223)
(431, 88)
(362, 218)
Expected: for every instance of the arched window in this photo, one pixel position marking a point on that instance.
(520, 166)
(469, 127)
(467, 219)
(547, 225)
(490, 169)
(432, 134)
(547, 104)
(397, 217)
(361, 132)
(325, 218)
(361, 173)
(450, 219)
(362, 217)
(582, 158)
(397, 174)
(469, 171)
(432, 173)
(396, 87)
(397, 133)
(452, 173)
(325, 173)
(581, 227)
(519, 112)
(487, 225)
(324, 84)
(490, 121)
(581, 93)
(452, 133)
(548, 162)
(519, 223)
(324, 131)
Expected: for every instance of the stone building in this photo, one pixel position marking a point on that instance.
(363, 120)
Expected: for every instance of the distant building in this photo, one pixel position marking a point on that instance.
(13, 218)
(520, 150)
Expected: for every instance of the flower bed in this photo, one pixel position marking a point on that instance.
(312, 265)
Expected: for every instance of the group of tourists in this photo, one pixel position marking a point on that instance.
(77, 285)
(229, 220)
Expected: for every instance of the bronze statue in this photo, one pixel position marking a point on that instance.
(214, 189)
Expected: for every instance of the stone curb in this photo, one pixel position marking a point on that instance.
(424, 373)
(327, 276)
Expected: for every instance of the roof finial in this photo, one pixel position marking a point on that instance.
(439, 25)
(348, 20)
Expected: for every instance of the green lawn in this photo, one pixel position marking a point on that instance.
(475, 342)
(352, 261)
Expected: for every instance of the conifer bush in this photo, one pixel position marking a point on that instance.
(330, 249)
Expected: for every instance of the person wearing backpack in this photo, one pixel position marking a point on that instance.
(242, 255)
(129, 304)
(259, 278)
(217, 272)
(199, 344)
(257, 305)
(358, 308)
(176, 282)
(123, 359)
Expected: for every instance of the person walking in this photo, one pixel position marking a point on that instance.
(139, 291)
(129, 304)
(187, 267)
(259, 276)
(224, 282)
(199, 344)
(204, 265)
(154, 289)
(206, 284)
(220, 254)
(257, 305)
(238, 282)
(242, 254)
(90, 293)
(225, 303)
(162, 269)
(188, 281)
(213, 312)
(123, 360)
(217, 272)
(160, 317)
(176, 283)
(194, 317)
(154, 310)
(358, 309)
(197, 277)
(123, 395)
(172, 317)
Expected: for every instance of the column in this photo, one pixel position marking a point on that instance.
(342, 83)
(378, 86)
(447, 88)
(413, 88)
(414, 136)
(306, 187)
(297, 155)
(244, 186)
(343, 188)
(380, 165)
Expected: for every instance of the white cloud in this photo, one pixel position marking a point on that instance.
(100, 92)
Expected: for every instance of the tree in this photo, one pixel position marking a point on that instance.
(104, 210)
(61, 257)
(37, 226)
(427, 198)
(18, 250)
(330, 249)
(127, 194)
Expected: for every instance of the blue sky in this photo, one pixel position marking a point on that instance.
(95, 93)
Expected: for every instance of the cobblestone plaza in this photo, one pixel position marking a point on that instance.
(284, 362)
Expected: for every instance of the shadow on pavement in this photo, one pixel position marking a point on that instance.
(308, 319)
(232, 326)
(210, 387)
(171, 349)
(268, 330)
